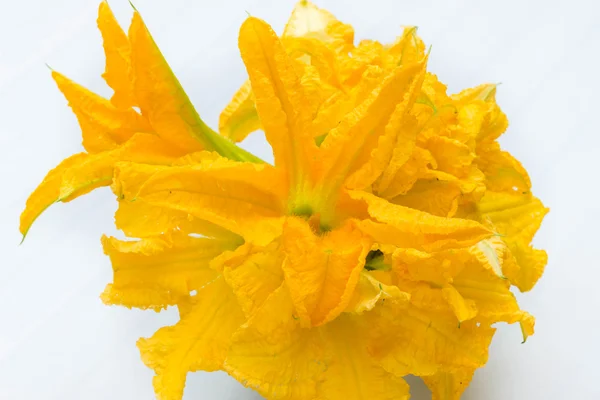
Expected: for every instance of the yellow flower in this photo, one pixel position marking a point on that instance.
(382, 242)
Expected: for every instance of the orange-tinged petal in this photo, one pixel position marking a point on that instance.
(164, 102)
(321, 272)
(118, 58)
(397, 132)
(280, 101)
(97, 169)
(348, 147)
(199, 341)
(406, 227)
(241, 197)
(240, 118)
(103, 126)
(47, 193)
(157, 272)
(406, 340)
(449, 385)
(274, 356)
(338, 105)
(83, 173)
(352, 374)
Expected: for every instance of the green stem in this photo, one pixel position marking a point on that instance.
(224, 146)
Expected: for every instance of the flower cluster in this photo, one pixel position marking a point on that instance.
(383, 241)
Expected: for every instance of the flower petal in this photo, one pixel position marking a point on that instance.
(406, 227)
(162, 99)
(307, 20)
(157, 272)
(118, 58)
(517, 217)
(369, 291)
(321, 272)
(280, 101)
(274, 356)
(96, 170)
(199, 341)
(47, 192)
(103, 126)
(449, 385)
(406, 340)
(253, 274)
(239, 118)
(241, 197)
(352, 374)
(349, 146)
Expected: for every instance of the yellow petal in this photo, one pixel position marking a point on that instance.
(47, 192)
(321, 272)
(484, 92)
(438, 268)
(139, 219)
(369, 291)
(118, 58)
(83, 173)
(161, 97)
(307, 20)
(517, 217)
(449, 385)
(406, 167)
(253, 274)
(408, 48)
(103, 126)
(322, 57)
(352, 374)
(348, 147)
(452, 156)
(97, 169)
(338, 105)
(503, 173)
(433, 196)
(412, 341)
(275, 357)
(239, 118)
(491, 294)
(241, 197)
(398, 132)
(199, 341)
(158, 272)
(406, 227)
(464, 309)
(280, 101)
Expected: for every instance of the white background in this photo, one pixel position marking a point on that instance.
(57, 340)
